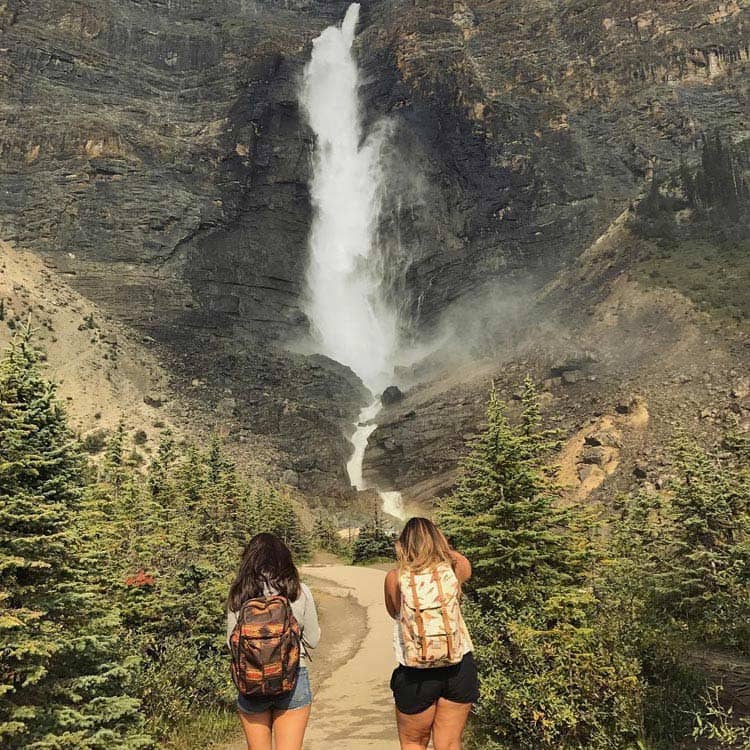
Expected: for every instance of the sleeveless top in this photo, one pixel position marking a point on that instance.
(398, 642)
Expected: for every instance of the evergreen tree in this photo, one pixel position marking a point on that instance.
(502, 515)
(60, 679)
(326, 534)
(276, 514)
(548, 679)
(114, 459)
(677, 580)
(703, 569)
(373, 541)
(226, 514)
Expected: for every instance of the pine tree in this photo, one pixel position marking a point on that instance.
(276, 514)
(226, 519)
(326, 533)
(701, 576)
(502, 515)
(677, 578)
(548, 679)
(60, 678)
(114, 459)
(373, 541)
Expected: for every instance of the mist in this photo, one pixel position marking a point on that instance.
(352, 321)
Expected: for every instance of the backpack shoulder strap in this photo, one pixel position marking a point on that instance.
(418, 614)
(443, 612)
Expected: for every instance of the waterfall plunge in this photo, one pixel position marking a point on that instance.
(352, 321)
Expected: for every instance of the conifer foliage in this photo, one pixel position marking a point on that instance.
(112, 579)
(548, 678)
(374, 541)
(678, 583)
(326, 534)
(61, 678)
(503, 514)
(180, 532)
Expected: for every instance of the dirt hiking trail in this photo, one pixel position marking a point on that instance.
(350, 672)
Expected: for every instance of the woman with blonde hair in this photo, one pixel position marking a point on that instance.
(435, 682)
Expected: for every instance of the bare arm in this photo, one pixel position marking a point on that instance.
(461, 566)
(392, 594)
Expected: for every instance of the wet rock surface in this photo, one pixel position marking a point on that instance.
(522, 130)
(156, 156)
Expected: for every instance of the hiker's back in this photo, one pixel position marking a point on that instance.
(435, 683)
(271, 624)
(265, 647)
(431, 629)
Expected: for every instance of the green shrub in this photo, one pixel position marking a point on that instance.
(178, 681)
(373, 542)
(95, 442)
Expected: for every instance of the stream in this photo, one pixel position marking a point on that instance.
(392, 503)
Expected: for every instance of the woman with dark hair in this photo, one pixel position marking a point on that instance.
(267, 583)
(436, 682)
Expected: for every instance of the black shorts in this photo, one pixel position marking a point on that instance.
(415, 690)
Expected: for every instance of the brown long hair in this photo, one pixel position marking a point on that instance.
(266, 562)
(421, 545)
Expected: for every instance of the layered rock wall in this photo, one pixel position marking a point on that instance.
(154, 152)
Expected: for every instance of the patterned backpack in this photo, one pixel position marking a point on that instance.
(432, 628)
(265, 647)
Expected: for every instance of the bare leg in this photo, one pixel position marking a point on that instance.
(450, 720)
(289, 727)
(414, 730)
(257, 728)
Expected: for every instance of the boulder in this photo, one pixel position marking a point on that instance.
(571, 364)
(391, 395)
(603, 438)
(640, 470)
(626, 406)
(571, 376)
(290, 477)
(594, 455)
(154, 399)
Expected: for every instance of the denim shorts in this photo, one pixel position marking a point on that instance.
(300, 697)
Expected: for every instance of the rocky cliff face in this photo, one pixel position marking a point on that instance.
(154, 152)
(531, 126)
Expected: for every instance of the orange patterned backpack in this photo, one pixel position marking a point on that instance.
(265, 647)
(432, 628)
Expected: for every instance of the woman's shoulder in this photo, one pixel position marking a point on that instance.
(304, 591)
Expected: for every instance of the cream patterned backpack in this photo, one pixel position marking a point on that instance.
(432, 628)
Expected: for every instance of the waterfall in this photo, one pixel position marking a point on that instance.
(352, 322)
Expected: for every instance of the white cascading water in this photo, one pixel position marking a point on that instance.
(353, 323)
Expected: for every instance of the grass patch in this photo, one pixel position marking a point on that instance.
(207, 730)
(714, 276)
